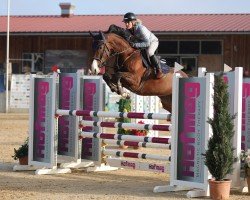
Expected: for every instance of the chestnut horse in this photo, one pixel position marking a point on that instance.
(124, 68)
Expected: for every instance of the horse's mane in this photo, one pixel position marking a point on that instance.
(120, 32)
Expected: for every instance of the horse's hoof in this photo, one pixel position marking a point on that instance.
(128, 96)
(125, 95)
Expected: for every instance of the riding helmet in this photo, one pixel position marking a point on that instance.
(129, 17)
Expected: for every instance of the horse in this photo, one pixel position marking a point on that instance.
(124, 68)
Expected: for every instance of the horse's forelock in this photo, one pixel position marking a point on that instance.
(98, 41)
(96, 44)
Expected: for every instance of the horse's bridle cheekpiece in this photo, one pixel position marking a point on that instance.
(102, 42)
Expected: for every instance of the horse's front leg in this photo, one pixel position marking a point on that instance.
(121, 90)
(128, 80)
(108, 80)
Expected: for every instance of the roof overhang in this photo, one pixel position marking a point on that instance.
(160, 33)
(203, 33)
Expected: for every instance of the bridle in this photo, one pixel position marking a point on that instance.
(109, 55)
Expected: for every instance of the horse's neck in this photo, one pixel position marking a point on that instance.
(121, 45)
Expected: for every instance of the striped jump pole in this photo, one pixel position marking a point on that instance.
(109, 152)
(126, 137)
(131, 115)
(127, 125)
(136, 144)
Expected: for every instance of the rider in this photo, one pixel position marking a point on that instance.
(143, 39)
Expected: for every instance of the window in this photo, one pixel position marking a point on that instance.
(32, 62)
(211, 47)
(168, 47)
(69, 61)
(189, 47)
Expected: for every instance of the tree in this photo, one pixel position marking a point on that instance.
(219, 157)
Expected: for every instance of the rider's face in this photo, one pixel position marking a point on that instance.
(129, 24)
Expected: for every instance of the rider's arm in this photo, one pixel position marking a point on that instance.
(143, 36)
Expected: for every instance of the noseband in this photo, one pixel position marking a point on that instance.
(107, 51)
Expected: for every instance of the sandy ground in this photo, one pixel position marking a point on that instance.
(113, 185)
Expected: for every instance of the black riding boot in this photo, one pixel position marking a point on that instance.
(157, 68)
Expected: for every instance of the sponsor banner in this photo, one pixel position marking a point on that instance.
(191, 129)
(245, 145)
(67, 125)
(19, 91)
(91, 99)
(137, 165)
(43, 126)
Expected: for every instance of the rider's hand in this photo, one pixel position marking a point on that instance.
(132, 44)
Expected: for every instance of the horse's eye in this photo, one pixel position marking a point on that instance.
(100, 48)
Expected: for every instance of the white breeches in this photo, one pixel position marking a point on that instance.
(152, 48)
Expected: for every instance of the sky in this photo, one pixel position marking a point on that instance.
(96, 7)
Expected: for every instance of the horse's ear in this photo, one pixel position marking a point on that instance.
(91, 34)
(102, 35)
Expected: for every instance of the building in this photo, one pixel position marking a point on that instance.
(193, 40)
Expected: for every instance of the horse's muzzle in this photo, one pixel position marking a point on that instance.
(94, 67)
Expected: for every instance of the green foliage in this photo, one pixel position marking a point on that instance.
(245, 160)
(219, 157)
(124, 106)
(22, 151)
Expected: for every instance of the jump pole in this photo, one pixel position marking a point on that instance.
(161, 140)
(130, 115)
(125, 125)
(136, 144)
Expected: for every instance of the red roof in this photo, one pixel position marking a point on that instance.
(167, 23)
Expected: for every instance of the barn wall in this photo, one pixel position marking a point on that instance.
(236, 48)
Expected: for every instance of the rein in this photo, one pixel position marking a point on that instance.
(113, 55)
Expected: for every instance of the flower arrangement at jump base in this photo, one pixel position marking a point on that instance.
(245, 160)
(137, 132)
(22, 152)
(55, 68)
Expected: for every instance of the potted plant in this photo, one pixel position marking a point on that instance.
(22, 153)
(219, 156)
(245, 160)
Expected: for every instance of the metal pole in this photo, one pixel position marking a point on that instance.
(7, 58)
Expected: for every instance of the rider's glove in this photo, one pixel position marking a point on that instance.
(132, 44)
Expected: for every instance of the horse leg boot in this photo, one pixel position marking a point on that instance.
(157, 68)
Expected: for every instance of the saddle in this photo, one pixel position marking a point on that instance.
(147, 64)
